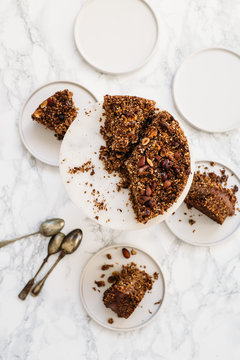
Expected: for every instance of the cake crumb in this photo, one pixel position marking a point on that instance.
(100, 283)
(191, 222)
(106, 266)
(109, 256)
(158, 302)
(155, 276)
(110, 321)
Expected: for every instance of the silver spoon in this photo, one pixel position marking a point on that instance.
(47, 228)
(70, 243)
(54, 246)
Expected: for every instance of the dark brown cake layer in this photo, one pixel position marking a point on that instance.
(129, 289)
(158, 168)
(209, 196)
(57, 112)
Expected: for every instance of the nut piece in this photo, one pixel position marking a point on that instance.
(154, 185)
(126, 253)
(149, 161)
(142, 169)
(177, 155)
(167, 184)
(145, 141)
(148, 190)
(153, 133)
(38, 113)
(141, 162)
(150, 204)
(44, 104)
(133, 252)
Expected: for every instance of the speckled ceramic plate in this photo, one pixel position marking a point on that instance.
(116, 36)
(39, 141)
(92, 299)
(206, 90)
(204, 231)
(87, 190)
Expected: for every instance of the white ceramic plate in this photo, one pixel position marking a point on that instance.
(82, 143)
(205, 232)
(92, 300)
(39, 141)
(116, 36)
(206, 90)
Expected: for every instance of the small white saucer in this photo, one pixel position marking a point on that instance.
(206, 90)
(92, 300)
(39, 141)
(116, 36)
(205, 232)
(81, 144)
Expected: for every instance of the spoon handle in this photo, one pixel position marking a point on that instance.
(25, 291)
(7, 242)
(38, 287)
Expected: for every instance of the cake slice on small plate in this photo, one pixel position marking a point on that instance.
(57, 112)
(128, 291)
(209, 196)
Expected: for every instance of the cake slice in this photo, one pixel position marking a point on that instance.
(209, 196)
(57, 112)
(129, 289)
(125, 117)
(158, 167)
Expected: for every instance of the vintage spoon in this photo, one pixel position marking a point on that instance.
(70, 243)
(47, 228)
(53, 247)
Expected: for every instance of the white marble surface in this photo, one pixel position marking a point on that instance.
(201, 315)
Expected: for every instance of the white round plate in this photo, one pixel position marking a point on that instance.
(92, 300)
(81, 144)
(116, 36)
(205, 232)
(39, 141)
(206, 90)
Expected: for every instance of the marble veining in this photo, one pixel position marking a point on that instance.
(200, 318)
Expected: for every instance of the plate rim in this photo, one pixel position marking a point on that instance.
(107, 326)
(20, 129)
(173, 87)
(167, 213)
(227, 237)
(99, 69)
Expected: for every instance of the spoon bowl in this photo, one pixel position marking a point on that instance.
(72, 241)
(51, 227)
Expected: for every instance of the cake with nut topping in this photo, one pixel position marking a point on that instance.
(158, 167)
(127, 292)
(57, 112)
